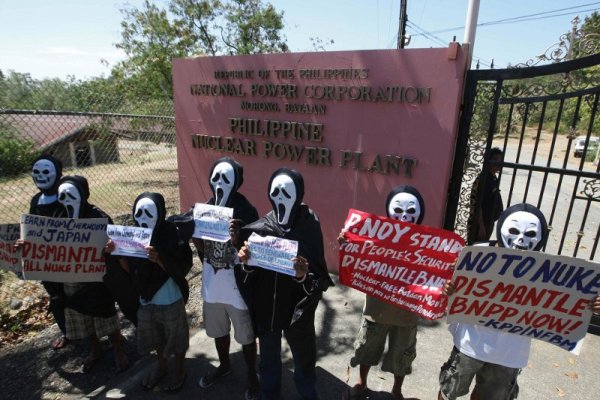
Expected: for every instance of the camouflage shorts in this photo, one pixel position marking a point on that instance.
(370, 344)
(492, 381)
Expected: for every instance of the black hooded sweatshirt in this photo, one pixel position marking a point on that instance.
(279, 300)
(93, 298)
(175, 253)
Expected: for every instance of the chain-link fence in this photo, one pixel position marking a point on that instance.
(121, 155)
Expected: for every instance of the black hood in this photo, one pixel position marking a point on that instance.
(526, 208)
(58, 166)
(298, 181)
(238, 171)
(406, 189)
(82, 186)
(157, 199)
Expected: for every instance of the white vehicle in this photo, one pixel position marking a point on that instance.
(580, 145)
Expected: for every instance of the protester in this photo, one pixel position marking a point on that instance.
(382, 320)
(163, 289)
(90, 309)
(284, 304)
(223, 301)
(493, 357)
(481, 222)
(46, 172)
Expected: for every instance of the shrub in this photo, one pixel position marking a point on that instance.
(16, 153)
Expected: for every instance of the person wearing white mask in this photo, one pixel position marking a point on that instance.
(46, 172)
(224, 304)
(163, 291)
(283, 304)
(385, 322)
(90, 311)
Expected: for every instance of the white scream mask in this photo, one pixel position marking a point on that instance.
(222, 182)
(521, 230)
(43, 174)
(146, 213)
(70, 198)
(404, 207)
(283, 195)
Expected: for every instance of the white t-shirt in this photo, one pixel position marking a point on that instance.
(218, 279)
(490, 345)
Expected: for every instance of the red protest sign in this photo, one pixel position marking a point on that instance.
(10, 260)
(400, 263)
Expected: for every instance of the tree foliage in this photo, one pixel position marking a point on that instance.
(19, 91)
(152, 37)
(20, 152)
(587, 42)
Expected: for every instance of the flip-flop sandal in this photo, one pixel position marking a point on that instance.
(150, 381)
(60, 343)
(175, 387)
(209, 379)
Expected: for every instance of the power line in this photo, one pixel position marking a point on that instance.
(437, 40)
(426, 34)
(523, 18)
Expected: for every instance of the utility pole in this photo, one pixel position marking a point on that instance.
(471, 28)
(402, 25)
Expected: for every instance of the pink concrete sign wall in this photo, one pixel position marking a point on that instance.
(355, 124)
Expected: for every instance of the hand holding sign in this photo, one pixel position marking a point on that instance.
(301, 267)
(212, 222)
(129, 241)
(397, 262)
(275, 254)
(526, 293)
(234, 231)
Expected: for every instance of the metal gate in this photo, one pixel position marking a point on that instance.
(537, 116)
(545, 119)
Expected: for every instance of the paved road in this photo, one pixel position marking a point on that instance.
(552, 373)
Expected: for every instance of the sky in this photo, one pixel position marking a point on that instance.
(50, 39)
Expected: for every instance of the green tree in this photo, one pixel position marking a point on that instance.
(20, 152)
(587, 39)
(151, 37)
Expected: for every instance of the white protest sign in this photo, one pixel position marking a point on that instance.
(130, 241)
(525, 293)
(212, 222)
(63, 249)
(10, 260)
(273, 253)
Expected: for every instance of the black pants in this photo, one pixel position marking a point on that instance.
(56, 294)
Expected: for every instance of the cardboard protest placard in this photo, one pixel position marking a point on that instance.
(525, 293)
(400, 263)
(130, 241)
(212, 222)
(9, 259)
(63, 249)
(273, 253)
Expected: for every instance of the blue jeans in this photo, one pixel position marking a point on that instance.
(302, 341)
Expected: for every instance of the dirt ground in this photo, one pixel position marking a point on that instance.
(32, 370)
